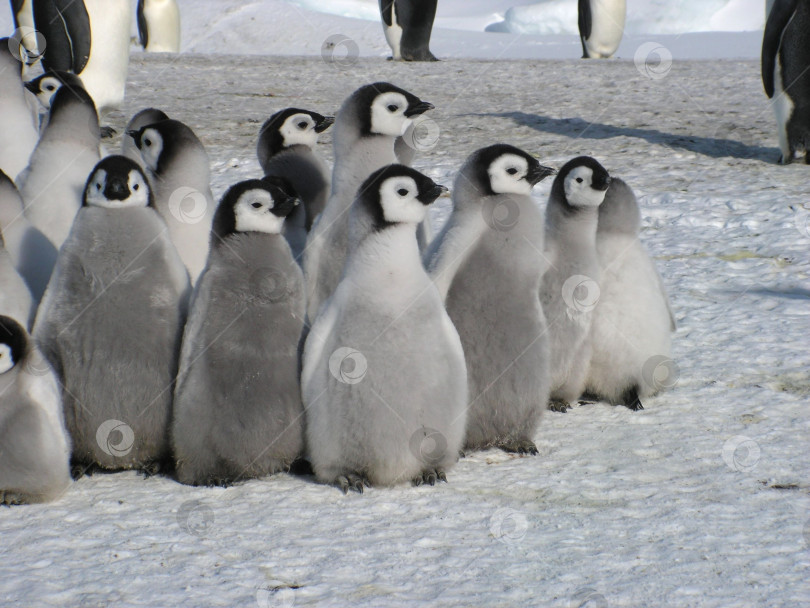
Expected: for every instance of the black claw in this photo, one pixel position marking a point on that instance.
(631, 399)
(106, 132)
(557, 405)
(520, 446)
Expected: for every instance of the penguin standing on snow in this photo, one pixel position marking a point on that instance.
(407, 25)
(786, 74)
(384, 380)
(111, 322)
(286, 148)
(488, 260)
(34, 446)
(632, 321)
(237, 408)
(570, 288)
(159, 25)
(601, 27)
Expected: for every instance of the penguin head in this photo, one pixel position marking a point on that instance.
(147, 116)
(581, 183)
(291, 127)
(160, 142)
(619, 212)
(396, 194)
(13, 343)
(117, 182)
(45, 86)
(255, 205)
(384, 109)
(503, 169)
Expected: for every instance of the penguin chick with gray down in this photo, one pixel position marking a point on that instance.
(632, 321)
(45, 86)
(179, 171)
(141, 119)
(34, 445)
(286, 148)
(53, 183)
(111, 322)
(18, 131)
(15, 297)
(366, 126)
(384, 380)
(570, 287)
(31, 252)
(237, 409)
(487, 263)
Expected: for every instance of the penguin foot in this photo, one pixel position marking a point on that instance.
(107, 132)
(558, 405)
(462, 454)
(150, 469)
(80, 469)
(11, 498)
(430, 477)
(519, 446)
(631, 400)
(352, 481)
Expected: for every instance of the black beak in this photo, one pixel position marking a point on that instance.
(286, 207)
(326, 122)
(538, 174)
(418, 108)
(32, 86)
(431, 195)
(116, 189)
(603, 185)
(135, 135)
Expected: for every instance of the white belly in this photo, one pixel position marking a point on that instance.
(607, 27)
(163, 21)
(105, 74)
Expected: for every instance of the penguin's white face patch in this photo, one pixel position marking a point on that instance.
(507, 175)
(138, 195)
(151, 147)
(6, 359)
(400, 205)
(254, 213)
(388, 114)
(48, 87)
(299, 129)
(578, 190)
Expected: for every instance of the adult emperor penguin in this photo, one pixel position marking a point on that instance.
(18, 132)
(488, 261)
(376, 411)
(237, 408)
(632, 321)
(286, 148)
(91, 39)
(34, 445)
(366, 126)
(53, 183)
(786, 75)
(601, 27)
(407, 25)
(15, 297)
(570, 288)
(33, 254)
(141, 119)
(111, 322)
(159, 25)
(178, 167)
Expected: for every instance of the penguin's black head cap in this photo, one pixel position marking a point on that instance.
(52, 80)
(282, 200)
(397, 194)
(580, 184)
(70, 95)
(14, 337)
(272, 140)
(382, 105)
(505, 169)
(117, 181)
(174, 137)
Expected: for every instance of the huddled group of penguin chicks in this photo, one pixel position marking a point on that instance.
(305, 316)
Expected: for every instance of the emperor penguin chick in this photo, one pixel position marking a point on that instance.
(34, 446)
(632, 322)
(488, 261)
(52, 184)
(111, 322)
(178, 168)
(570, 288)
(143, 118)
(18, 132)
(286, 148)
(15, 297)
(366, 126)
(237, 408)
(384, 380)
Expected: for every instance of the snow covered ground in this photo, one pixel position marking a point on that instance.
(702, 499)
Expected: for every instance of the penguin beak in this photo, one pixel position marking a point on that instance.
(135, 135)
(116, 189)
(326, 122)
(431, 195)
(538, 174)
(602, 185)
(32, 86)
(418, 108)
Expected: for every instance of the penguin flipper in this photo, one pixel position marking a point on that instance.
(386, 12)
(65, 24)
(781, 13)
(143, 30)
(585, 21)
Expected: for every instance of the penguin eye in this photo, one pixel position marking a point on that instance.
(511, 170)
(50, 87)
(579, 180)
(147, 142)
(402, 192)
(255, 205)
(302, 125)
(98, 186)
(393, 108)
(136, 186)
